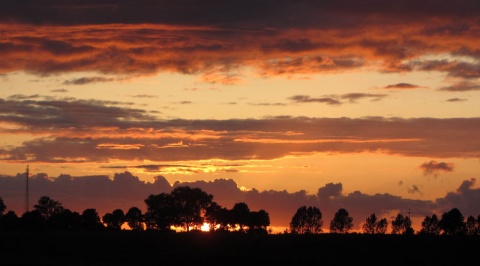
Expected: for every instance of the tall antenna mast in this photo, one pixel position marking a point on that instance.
(27, 203)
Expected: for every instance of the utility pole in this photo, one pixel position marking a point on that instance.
(27, 203)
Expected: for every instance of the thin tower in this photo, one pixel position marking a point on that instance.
(27, 203)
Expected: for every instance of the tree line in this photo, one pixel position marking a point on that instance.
(185, 208)
(308, 220)
(189, 209)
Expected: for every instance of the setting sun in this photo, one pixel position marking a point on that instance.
(205, 227)
(372, 106)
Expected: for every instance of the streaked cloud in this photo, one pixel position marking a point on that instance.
(353, 97)
(146, 96)
(60, 90)
(275, 38)
(462, 86)
(454, 100)
(100, 131)
(336, 99)
(402, 86)
(87, 80)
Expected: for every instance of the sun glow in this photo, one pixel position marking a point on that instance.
(205, 227)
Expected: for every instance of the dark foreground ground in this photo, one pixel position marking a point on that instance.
(155, 248)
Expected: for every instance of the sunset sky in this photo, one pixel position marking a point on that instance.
(372, 106)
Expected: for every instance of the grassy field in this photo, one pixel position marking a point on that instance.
(196, 248)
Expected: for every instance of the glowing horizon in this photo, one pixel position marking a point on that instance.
(283, 97)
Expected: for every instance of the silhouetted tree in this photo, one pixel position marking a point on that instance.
(91, 220)
(66, 220)
(258, 222)
(32, 221)
(114, 220)
(374, 226)
(135, 219)
(341, 222)
(430, 225)
(472, 227)
(160, 213)
(190, 204)
(453, 223)
(213, 215)
(307, 220)
(478, 225)
(240, 215)
(9, 221)
(3, 207)
(402, 225)
(225, 219)
(48, 207)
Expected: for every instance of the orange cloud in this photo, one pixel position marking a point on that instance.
(323, 37)
(125, 133)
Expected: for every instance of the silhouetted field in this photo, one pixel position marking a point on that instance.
(196, 248)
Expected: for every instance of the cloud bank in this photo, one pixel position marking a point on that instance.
(102, 131)
(125, 190)
(220, 40)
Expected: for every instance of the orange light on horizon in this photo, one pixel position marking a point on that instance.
(205, 227)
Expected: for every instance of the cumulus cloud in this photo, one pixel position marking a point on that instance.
(435, 168)
(465, 199)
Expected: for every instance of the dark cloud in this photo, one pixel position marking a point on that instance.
(87, 80)
(414, 190)
(457, 68)
(353, 97)
(435, 168)
(465, 199)
(308, 99)
(330, 191)
(18, 97)
(144, 96)
(248, 12)
(462, 86)
(275, 37)
(100, 131)
(47, 114)
(79, 193)
(402, 86)
(454, 100)
(148, 167)
(106, 194)
(59, 90)
(336, 99)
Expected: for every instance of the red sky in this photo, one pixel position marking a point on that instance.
(367, 105)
